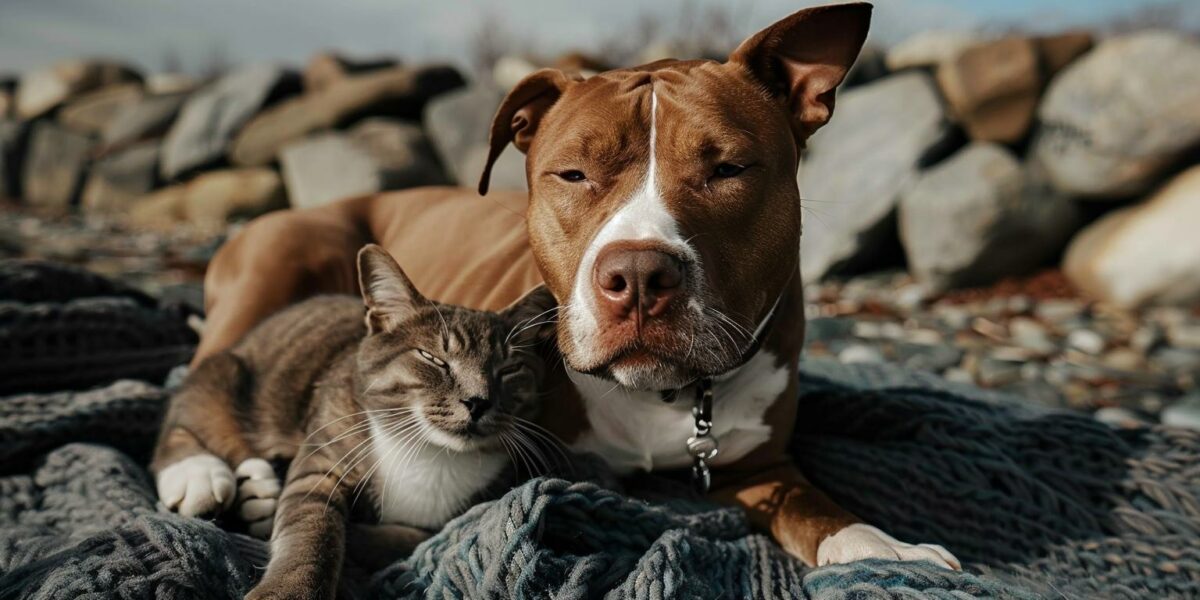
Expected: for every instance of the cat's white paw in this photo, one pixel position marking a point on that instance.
(257, 496)
(860, 541)
(197, 485)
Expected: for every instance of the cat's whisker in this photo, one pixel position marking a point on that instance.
(400, 438)
(352, 415)
(521, 460)
(522, 444)
(361, 457)
(356, 451)
(417, 448)
(536, 455)
(532, 325)
(544, 434)
(538, 452)
(356, 429)
(512, 332)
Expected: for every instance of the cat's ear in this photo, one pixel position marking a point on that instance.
(535, 313)
(390, 296)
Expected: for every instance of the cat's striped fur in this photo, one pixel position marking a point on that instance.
(402, 414)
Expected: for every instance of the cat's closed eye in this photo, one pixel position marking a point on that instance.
(433, 359)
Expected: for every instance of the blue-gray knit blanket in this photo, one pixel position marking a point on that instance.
(1035, 503)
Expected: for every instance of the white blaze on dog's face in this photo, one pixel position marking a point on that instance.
(664, 212)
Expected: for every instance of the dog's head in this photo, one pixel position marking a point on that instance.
(664, 212)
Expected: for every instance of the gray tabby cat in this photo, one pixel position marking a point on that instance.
(403, 416)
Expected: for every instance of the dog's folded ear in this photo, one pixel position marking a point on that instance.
(804, 57)
(519, 115)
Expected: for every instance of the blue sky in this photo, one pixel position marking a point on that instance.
(36, 32)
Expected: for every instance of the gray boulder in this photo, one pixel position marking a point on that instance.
(377, 155)
(212, 199)
(91, 112)
(929, 49)
(1119, 116)
(398, 91)
(857, 167)
(43, 90)
(980, 216)
(211, 117)
(458, 124)
(1147, 253)
(54, 166)
(325, 69)
(150, 117)
(116, 181)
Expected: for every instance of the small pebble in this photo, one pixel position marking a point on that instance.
(958, 375)
(1145, 338)
(1123, 359)
(1185, 336)
(994, 373)
(1057, 311)
(1086, 340)
(1120, 418)
(1183, 413)
(860, 353)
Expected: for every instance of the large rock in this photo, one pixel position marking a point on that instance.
(1148, 253)
(54, 166)
(858, 165)
(150, 117)
(399, 92)
(1059, 50)
(378, 154)
(41, 91)
(213, 198)
(1118, 117)
(327, 68)
(993, 88)
(980, 216)
(119, 179)
(458, 124)
(211, 117)
(13, 137)
(929, 49)
(91, 113)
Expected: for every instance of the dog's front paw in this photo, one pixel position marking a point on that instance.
(197, 485)
(860, 541)
(257, 496)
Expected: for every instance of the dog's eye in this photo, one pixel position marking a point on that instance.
(726, 170)
(431, 358)
(572, 175)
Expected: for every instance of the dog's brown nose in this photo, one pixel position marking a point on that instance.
(638, 283)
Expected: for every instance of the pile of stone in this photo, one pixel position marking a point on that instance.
(1032, 337)
(971, 159)
(98, 137)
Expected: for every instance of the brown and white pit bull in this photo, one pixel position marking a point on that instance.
(663, 213)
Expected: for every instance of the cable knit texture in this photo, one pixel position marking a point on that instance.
(1035, 503)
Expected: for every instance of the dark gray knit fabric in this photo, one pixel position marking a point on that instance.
(65, 328)
(1037, 504)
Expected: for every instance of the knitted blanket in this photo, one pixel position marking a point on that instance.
(1035, 503)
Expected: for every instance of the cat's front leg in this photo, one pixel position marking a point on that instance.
(309, 541)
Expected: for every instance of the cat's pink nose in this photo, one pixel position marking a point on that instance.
(476, 406)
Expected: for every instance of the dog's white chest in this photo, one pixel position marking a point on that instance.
(635, 430)
(428, 487)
